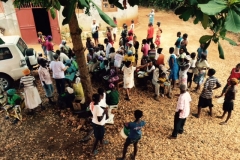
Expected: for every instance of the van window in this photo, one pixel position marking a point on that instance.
(5, 54)
(22, 46)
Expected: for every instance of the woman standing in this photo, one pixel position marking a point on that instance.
(115, 29)
(173, 66)
(151, 16)
(50, 49)
(32, 97)
(99, 120)
(109, 35)
(89, 43)
(200, 71)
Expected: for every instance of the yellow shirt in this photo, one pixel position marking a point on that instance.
(129, 58)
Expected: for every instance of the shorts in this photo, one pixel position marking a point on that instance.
(49, 90)
(204, 102)
(228, 106)
(98, 131)
(95, 35)
(131, 141)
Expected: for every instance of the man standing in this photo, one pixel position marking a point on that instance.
(94, 29)
(108, 47)
(150, 33)
(178, 43)
(182, 111)
(201, 50)
(205, 99)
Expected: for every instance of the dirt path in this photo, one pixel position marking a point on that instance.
(49, 136)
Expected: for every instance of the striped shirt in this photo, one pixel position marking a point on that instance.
(210, 83)
(27, 81)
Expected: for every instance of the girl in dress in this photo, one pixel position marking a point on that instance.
(174, 67)
(158, 36)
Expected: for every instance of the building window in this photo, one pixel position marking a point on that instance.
(106, 7)
(1, 7)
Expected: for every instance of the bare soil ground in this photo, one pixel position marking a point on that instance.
(53, 134)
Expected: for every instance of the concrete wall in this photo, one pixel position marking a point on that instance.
(123, 16)
(8, 19)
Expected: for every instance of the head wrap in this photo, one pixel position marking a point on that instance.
(69, 90)
(11, 92)
(64, 42)
(77, 80)
(111, 85)
(234, 80)
(130, 52)
(26, 72)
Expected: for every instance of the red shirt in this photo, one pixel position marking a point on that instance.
(234, 74)
(42, 40)
(49, 46)
(150, 32)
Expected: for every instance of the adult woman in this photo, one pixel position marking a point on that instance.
(200, 71)
(99, 119)
(32, 97)
(42, 40)
(89, 43)
(50, 49)
(109, 35)
(173, 66)
(115, 29)
(151, 16)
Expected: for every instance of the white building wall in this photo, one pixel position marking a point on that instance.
(8, 19)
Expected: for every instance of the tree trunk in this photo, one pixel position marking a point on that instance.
(78, 49)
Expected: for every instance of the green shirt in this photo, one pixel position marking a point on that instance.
(112, 98)
(14, 100)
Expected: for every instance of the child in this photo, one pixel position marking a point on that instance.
(118, 58)
(183, 71)
(192, 67)
(158, 36)
(115, 29)
(132, 26)
(112, 54)
(102, 94)
(228, 104)
(162, 79)
(134, 135)
(160, 60)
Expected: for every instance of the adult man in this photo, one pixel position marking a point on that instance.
(182, 111)
(178, 43)
(150, 33)
(94, 29)
(108, 47)
(205, 99)
(62, 56)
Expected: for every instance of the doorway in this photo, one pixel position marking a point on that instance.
(41, 20)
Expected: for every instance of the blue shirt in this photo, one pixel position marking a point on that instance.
(178, 43)
(135, 129)
(200, 52)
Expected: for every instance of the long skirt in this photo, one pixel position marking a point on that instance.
(32, 97)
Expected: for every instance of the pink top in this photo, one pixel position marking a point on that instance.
(49, 46)
(44, 75)
(184, 105)
(145, 49)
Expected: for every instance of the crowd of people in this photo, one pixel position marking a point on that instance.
(119, 65)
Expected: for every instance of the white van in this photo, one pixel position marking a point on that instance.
(15, 56)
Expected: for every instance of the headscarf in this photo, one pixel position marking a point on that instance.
(11, 92)
(64, 42)
(111, 85)
(77, 80)
(26, 72)
(234, 80)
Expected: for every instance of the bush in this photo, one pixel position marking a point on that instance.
(162, 4)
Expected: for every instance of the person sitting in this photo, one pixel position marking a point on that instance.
(89, 43)
(12, 107)
(113, 76)
(112, 98)
(64, 48)
(112, 54)
(162, 79)
(149, 73)
(62, 56)
(78, 90)
(67, 99)
(160, 60)
(152, 52)
(70, 72)
(129, 57)
(92, 60)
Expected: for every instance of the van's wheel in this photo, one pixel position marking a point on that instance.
(5, 81)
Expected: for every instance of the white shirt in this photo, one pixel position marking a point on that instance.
(57, 68)
(94, 27)
(118, 60)
(156, 75)
(103, 103)
(63, 57)
(97, 111)
(109, 45)
(184, 105)
(151, 69)
(132, 26)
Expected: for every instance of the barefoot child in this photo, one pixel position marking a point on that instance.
(134, 135)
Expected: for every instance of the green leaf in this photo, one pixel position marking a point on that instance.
(230, 41)
(199, 16)
(67, 12)
(193, 2)
(180, 10)
(220, 1)
(212, 8)
(57, 5)
(223, 32)
(207, 44)
(52, 12)
(205, 21)
(186, 15)
(205, 38)
(232, 22)
(104, 16)
(220, 50)
(82, 4)
(236, 9)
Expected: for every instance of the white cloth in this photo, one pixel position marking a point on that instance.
(32, 97)
(132, 26)
(108, 47)
(63, 57)
(192, 65)
(118, 60)
(184, 105)
(156, 75)
(57, 69)
(97, 111)
(94, 27)
(128, 76)
(114, 30)
(151, 69)
(102, 102)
